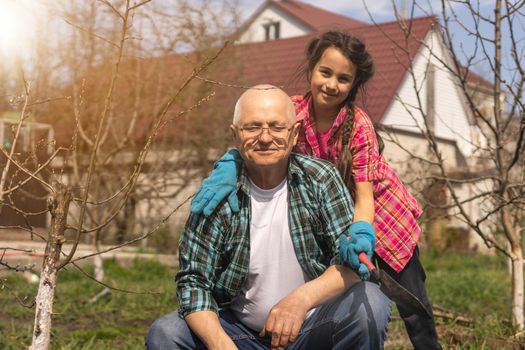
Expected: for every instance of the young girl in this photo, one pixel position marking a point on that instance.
(333, 128)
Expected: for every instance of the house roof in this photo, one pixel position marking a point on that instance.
(476, 81)
(313, 17)
(277, 61)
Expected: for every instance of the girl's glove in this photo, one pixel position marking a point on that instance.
(361, 238)
(222, 182)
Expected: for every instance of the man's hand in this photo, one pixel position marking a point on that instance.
(285, 320)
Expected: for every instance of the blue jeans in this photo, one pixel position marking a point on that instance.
(358, 319)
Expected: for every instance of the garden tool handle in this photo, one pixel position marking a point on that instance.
(364, 259)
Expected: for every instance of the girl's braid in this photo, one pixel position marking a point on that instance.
(345, 161)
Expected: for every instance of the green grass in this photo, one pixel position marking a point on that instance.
(468, 283)
(117, 322)
(477, 287)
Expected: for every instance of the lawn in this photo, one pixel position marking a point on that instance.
(474, 287)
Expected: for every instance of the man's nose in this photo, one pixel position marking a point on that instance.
(265, 136)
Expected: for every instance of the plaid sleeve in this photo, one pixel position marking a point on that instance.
(199, 248)
(337, 212)
(364, 149)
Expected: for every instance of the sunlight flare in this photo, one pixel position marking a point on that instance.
(16, 27)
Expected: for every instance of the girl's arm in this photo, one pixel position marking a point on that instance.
(362, 236)
(364, 202)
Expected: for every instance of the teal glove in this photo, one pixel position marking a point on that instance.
(222, 182)
(362, 238)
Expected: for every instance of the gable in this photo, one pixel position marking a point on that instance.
(267, 19)
(451, 117)
(293, 18)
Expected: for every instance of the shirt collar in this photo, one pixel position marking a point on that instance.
(307, 114)
(294, 174)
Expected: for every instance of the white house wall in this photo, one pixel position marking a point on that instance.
(451, 119)
(290, 27)
(452, 127)
(402, 151)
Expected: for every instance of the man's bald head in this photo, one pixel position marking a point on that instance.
(261, 95)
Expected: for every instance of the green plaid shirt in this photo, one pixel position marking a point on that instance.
(214, 251)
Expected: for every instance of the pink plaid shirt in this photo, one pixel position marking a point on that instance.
(396, 210)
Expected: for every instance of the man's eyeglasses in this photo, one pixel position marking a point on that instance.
(275, 131)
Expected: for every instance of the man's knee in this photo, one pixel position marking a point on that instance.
(168, 332)
(361, 318)
(378, 308)
(369, 311)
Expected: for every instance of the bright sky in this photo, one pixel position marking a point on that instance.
(20, 22)
(16, 25)
(354, 9)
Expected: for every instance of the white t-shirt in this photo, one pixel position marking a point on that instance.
(274, 270)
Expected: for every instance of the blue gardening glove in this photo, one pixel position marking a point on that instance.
(222, 182)
(362, 238)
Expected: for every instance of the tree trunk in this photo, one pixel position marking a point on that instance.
(59, 205)
(517, 289)
(99, 267)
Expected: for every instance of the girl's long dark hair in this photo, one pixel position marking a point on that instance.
(355, 50)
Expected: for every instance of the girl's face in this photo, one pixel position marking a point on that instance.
(332, 79)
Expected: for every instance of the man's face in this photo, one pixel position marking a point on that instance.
(265, 133)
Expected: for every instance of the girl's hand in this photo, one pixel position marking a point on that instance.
(361, 239)
(221, 183)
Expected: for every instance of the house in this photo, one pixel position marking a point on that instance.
(270, 48)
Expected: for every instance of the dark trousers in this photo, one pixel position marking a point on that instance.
(356, 320)
(421, 330)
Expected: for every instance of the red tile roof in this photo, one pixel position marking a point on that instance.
(476, 81)
(315, 18)
(277, 61)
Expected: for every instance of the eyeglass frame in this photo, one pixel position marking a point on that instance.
(261, 130)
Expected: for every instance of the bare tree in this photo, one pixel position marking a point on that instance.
(486, 190)
(116, 140)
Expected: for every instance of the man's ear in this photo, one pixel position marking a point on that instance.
(296, 129)
(233, 129)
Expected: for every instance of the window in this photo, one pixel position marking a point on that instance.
(431, 97)
(272, 30)
(32, 136)
(8, 136)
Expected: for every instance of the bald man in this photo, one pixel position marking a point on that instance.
(268, 276)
